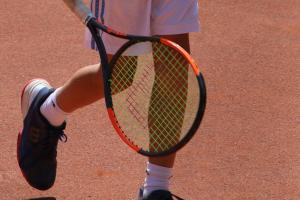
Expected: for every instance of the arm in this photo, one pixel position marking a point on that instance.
(78, 8)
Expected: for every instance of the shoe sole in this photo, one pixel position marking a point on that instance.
(27, 95)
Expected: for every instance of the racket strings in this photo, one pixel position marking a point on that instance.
(151, 97)
(140, 87)
(123, 73)
(175, 75)
(166, 113)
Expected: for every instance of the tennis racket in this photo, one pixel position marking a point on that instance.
(154, 92)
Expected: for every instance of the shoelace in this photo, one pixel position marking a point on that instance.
(177, 197)
(63, 137)
(50, 143)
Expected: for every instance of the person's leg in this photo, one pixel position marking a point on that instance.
(174, 20)
(159, 168)
(44, 121)
(84, 88)
(44, 112)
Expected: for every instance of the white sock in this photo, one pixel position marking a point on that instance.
(158, 178)
(52, 112)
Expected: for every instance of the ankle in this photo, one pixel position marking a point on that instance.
(52, 112)
(158, 178)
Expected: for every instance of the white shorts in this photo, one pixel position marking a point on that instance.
(144, 17)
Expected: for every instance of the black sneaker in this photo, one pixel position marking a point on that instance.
(157, 195)
(37, 142)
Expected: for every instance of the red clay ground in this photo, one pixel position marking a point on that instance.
(248, 146)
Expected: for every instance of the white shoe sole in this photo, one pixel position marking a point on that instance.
(30, 91)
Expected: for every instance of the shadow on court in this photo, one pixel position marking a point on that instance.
(42, 198)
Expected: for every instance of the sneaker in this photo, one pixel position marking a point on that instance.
(37, 142)
(157, 195)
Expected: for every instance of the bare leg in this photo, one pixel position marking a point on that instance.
(183, 41)
(84, 88)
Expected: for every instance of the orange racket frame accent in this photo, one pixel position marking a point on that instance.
(182, 52)
(122, 135)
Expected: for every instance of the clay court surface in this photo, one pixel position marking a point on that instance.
(248, 147)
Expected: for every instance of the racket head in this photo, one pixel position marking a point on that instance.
(143, 88)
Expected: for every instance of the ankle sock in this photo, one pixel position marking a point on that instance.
(52, 112)
(158, 178)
